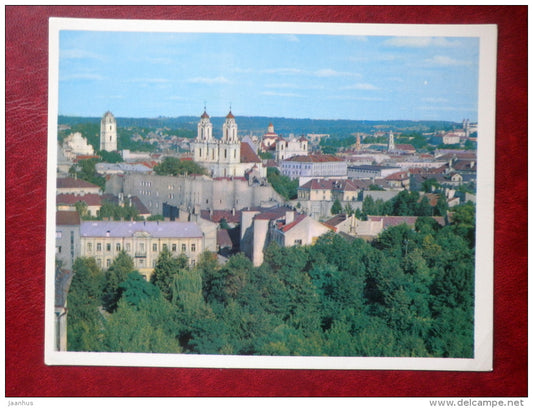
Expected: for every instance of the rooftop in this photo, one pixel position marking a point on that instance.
(67, 218)
(315, 158)
(69, 182)
(248, 155)
(156, 229)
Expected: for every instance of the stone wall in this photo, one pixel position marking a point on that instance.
(194, 192)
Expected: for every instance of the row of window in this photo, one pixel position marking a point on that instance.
(140, 247)
(139, 263)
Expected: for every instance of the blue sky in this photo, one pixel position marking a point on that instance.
(140, 74)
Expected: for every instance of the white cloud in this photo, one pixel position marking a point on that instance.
(361, 87)
(82, 76)
(443, 60)
(281, 94)
(209, 81)
(149, 80)
(283, 71)
(291, 38)
(79, 54)
(419, 42)
(435, 100)
(328, 72)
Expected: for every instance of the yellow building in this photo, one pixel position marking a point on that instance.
(142, 240)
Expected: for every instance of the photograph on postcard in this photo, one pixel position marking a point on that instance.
(270, 195)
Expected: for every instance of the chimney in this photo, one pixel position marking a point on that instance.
(289, 217)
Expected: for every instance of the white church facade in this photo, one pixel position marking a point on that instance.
(228, 156)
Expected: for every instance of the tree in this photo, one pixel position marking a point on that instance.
(83, 299)
(131, 330)
(136, 289)
(116, 274)
(172, 166)
(166, 267)
(336, 208)
(82, 208)
(283, 185)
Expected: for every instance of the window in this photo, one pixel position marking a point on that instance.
(108, 247)
(99, 262)
(173, 247)
(89, 247)
(128, 247)
(297, 242)
(165, 247)
(154, 247)
(59, 234)
(117, 246)
(183, 247)
(99, 247)
(193, 247)
(58, 249)
(108, 262)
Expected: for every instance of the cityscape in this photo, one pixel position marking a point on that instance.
(299, 232)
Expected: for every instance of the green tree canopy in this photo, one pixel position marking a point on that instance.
(115, 276)
(172, 166)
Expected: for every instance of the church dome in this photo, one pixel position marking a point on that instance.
(230, 116)
(205, 115)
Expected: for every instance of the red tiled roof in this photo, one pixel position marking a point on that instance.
(68, 182)
(248, 155)
(333, 222)
(139, 206)
(223, 238)
(85, 157)
(297, 219)
(331, 184)
(219, 215)
(405, 147)
(315, 158)
(401, 175)
(71, 199)
(67, 218)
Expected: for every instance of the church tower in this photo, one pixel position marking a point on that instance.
(230, 145)
(229, 129)
(108, 133)
(391, 142)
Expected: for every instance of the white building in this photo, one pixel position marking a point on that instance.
(286, 149)
(108, 133)
(227, 157)
(75, 144)
(370, 172)
(313, 166)
(261, 226)
(142, 240)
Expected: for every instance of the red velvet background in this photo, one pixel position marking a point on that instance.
(26, 135)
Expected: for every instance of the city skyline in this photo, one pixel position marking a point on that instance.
(315, 76)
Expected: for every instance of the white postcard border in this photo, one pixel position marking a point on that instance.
(483, 338)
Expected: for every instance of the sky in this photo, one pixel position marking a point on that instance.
(147, 74)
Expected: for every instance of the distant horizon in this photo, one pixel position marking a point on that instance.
(308, 76)
(262, 116)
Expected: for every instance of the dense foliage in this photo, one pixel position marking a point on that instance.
(407, 293)
(283, 185)
(172, 166)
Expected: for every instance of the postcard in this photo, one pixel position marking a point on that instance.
(233, 194)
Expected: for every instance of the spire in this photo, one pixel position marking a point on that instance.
(391, 141)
